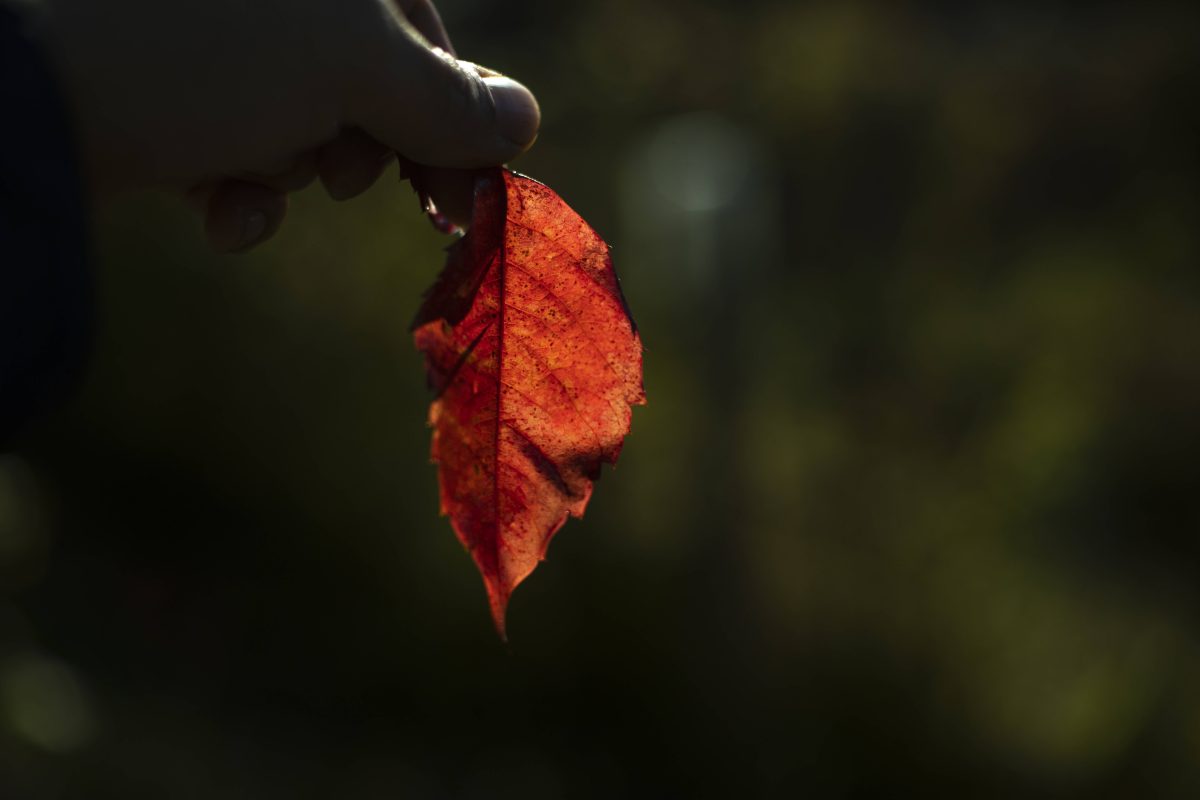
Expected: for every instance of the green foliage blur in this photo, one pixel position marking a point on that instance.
(913, 507)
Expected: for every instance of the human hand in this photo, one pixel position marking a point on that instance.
(238, 102)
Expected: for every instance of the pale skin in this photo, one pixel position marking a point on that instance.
(236, 103)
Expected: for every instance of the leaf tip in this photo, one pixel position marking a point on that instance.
(498, 600)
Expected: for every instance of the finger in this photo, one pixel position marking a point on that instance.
(425, 18)
(437, 110)
(452, 191)
(351, 163)
(241, 214)
(290, 175)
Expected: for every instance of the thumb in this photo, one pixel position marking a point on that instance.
(437, 110)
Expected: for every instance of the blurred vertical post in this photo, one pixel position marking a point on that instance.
(697, 232)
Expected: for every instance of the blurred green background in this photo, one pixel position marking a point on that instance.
(913, 506)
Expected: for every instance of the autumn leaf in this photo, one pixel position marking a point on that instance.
(536, 362)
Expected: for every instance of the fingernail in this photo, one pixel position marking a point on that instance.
(254, 225)
(517, 113)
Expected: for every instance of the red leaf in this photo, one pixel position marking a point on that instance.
(536, 362)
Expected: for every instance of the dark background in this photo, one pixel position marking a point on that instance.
(913, 505)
